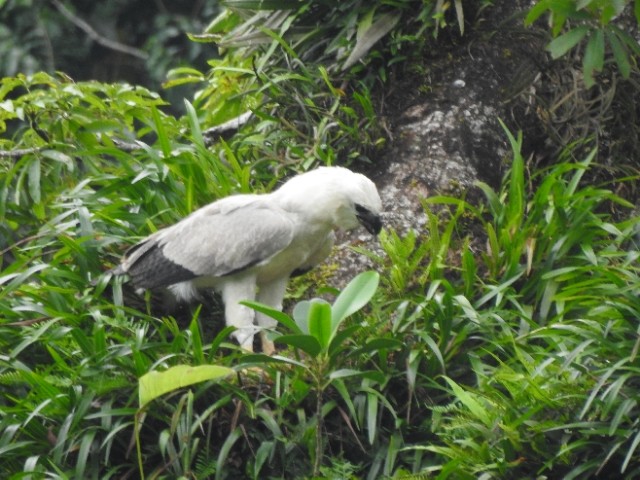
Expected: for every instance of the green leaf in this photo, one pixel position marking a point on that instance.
(354, 296)
(301, 316)
(536, 11)
(516, 201)
(277, 315)
(368, 35)
(262, 359)
(34, 180)
(372, 417)
(620, 55)
(231, 439)
(262, 4)
(636, 10)
(320, 322)
(307, 343)
(631, 451)
(469, 401)
(566, 42)
(154, 384)
(377, 344)
(373, 375)
(339, 337)
(163, 138)
(59, 157)
(460, 15)
(593, 60)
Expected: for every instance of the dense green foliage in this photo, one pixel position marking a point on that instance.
(501, 342)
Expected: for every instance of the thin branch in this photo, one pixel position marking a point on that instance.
(90, 31)
(226, 129)
(126, 146)
(20, 152)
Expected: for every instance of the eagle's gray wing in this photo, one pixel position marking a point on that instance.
(222, 238)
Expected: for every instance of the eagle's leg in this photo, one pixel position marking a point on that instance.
(239, 316)
(270, 294)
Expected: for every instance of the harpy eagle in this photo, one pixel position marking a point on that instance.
(248, 246)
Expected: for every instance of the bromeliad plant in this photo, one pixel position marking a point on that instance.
(322, 351)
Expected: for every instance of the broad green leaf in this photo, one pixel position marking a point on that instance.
(536, 11)
(277, 315)
(620, 55)
(561, 45)
(307, 343)
(154, 384)
(636, 10)
(301, 316)
(593, 59)
(354, 296)
(320, 322)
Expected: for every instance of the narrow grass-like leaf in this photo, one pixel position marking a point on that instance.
(469, 401)
(368, 36)
(630, 452)
(231, 439)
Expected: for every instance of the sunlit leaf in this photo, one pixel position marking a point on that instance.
(354, 296)
(320, 322)
(154, 384)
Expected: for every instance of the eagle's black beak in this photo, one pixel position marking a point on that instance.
(369, 220)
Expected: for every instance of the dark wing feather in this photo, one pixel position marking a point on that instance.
(151, 269)
(220, 239)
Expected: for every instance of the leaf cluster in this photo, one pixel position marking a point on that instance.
(595, 25)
